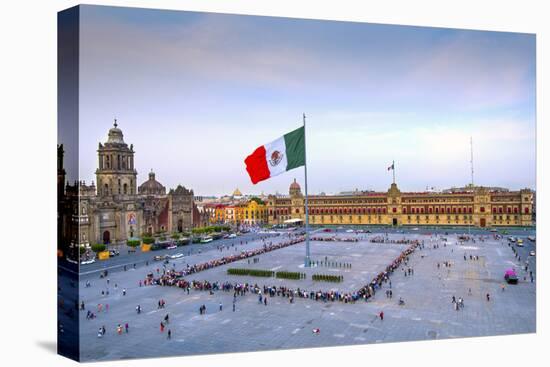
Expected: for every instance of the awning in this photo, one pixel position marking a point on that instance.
(293, 220)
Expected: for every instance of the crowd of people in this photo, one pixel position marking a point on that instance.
(170, 277)
(175, 278)
(382, 239)
(369, 290)
(335, 239)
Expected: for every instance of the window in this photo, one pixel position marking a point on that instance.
(526, 210)
(482, 209)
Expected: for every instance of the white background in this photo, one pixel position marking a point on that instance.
(28, 182)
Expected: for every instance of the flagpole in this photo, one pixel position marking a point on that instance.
(307, 259)
(393, 169)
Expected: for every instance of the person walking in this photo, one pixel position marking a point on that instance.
(126, 326)
(381, 315)
(169, 334)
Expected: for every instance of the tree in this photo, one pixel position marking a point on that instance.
(257, 200)
(98, 247)
(148, 240)
(132, 243)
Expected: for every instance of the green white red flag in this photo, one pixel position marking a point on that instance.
(278, 156)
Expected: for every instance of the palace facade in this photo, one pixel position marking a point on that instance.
(117, 209)
(475, 206)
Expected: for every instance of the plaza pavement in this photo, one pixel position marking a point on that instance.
(427, 314)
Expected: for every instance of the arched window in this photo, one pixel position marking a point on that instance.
(526, 210)
(405, 210)
(106, 189)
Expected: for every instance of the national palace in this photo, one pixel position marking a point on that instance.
(475, 206)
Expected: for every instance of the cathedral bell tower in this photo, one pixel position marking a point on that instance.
(115, 174)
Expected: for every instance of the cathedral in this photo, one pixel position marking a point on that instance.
(115, 209)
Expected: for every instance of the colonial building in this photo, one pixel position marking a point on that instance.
(479, 206)
(115, 211)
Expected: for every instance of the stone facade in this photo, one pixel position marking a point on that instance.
(478, 206)
(115, 211)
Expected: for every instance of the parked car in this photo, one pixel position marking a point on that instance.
(114, 253)
(171, 247)
(160, 257)
(532, 253)
(86, 262)
(176, 256)
(232, 235)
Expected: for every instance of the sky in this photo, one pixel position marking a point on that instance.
(195, 93)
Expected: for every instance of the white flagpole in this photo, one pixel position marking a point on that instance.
(307, 259)
(393, 170)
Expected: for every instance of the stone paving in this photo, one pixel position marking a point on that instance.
(427, 314)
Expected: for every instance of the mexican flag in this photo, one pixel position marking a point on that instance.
(281, 155)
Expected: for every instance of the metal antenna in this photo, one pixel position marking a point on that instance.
(472, 159)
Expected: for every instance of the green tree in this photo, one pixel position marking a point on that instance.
(98, 247)
(133, 243)
(148, 240)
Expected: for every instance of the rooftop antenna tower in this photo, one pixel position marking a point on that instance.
(472, 182)
(472, 159)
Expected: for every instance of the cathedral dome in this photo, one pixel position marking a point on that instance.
(115, 135)
(237, 192)
(151, 186)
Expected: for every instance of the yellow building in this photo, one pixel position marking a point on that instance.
(254, 212)
(477, 206)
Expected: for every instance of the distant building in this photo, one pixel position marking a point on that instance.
(478, 206)
(117, 210)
